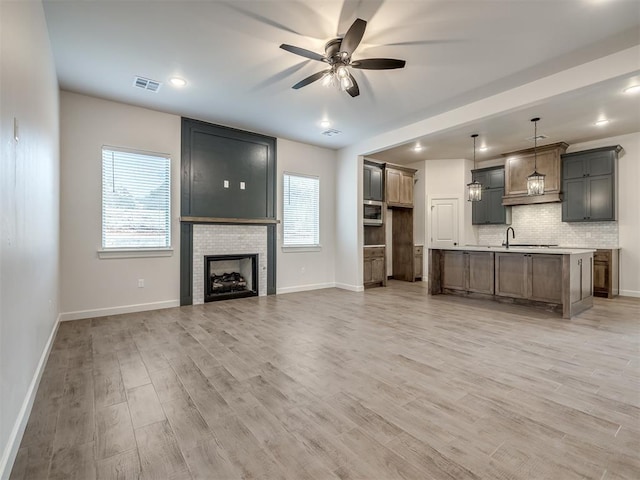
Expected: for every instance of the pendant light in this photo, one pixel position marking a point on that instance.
(535, 181)
(474, 189)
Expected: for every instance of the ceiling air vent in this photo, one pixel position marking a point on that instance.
(331, 132)
(146, 84)
(539, 137)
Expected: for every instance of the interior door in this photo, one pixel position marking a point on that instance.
(444, 222)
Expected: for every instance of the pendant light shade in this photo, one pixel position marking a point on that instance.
(474, 189)
(535, 181)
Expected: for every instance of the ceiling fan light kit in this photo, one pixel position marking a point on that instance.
(338, 53)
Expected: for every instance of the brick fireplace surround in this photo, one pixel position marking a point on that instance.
(227, 240)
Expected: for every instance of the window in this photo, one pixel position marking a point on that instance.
(301, 222)
(136, 200)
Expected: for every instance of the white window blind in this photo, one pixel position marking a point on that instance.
(301, 222)
(136, 199)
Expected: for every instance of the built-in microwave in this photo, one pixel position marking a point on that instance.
(372, 212)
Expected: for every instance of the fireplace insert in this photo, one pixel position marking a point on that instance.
(230, 276)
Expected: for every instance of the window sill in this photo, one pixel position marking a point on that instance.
(301, 248)
(134, 252)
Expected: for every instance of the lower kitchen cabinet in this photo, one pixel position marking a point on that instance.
(529, 276)
(606, 273)
(468, 271)
(374, 264)
(560, 281)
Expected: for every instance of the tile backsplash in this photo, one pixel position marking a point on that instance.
(542, 224)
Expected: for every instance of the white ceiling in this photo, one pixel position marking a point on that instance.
(456, 52)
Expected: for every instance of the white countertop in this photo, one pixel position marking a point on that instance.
(547, 250)
(371, 246)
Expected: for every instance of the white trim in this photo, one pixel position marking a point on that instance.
(630, 293)
(103, 312)
(134, 252)
(301, 248)
(15, 437)
(304, 288)
(351, 288)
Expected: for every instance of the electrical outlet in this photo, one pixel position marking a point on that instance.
(141, 283)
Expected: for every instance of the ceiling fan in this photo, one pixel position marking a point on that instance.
(338, 53)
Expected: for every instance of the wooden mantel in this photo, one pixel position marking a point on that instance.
(241, 221)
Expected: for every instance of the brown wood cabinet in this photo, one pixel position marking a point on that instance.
(402, 254)
(581, 281)
(519, 165)
(399, 186)
(556, 282)
(606, 273)
(375, 271)
(418, 261)
(468, 271)
(529, 276)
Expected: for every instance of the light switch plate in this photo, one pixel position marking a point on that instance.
(226, 184)
(242, 185)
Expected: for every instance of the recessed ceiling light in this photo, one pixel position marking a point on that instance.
(484, 148)
(632, 89)
(417, 148)
(325, 123)
(177, 81)
(602, 122)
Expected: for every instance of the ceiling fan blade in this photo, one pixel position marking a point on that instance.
(303, 52)
(310, 79)
(378, 63)
(353, 36)
(354, 90)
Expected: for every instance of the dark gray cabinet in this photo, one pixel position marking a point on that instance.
(588, 185)
(489, 210)
(373, 184)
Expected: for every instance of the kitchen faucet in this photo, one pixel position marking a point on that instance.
(513, 232)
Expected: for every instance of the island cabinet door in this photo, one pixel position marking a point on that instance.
(545, 278)
(453, 270)
(480, 272)
(511, 275)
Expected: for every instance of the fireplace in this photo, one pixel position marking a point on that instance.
(230, 276)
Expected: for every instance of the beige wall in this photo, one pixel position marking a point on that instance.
(306, 270)
(29, 206)
(92, 286)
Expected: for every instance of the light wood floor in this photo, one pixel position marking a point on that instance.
(332, 384)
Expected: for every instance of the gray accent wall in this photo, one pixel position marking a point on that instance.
(226, 173)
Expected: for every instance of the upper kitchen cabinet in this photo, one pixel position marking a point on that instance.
(519, 165)
(399, 186)
(588, 185)
(490, 210)
(373, 181)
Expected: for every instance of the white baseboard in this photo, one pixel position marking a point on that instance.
(103, 312)
(351, 288)
(304, 288)
(629, 293)
(15, 437)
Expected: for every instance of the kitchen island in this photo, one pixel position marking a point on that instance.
(559, 279)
